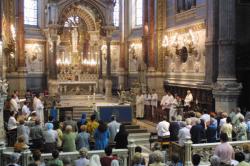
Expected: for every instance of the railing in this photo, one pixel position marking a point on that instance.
(26, 156)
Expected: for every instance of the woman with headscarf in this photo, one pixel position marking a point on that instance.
(69, 138)
(82, 121)
(50, 138)
(95, 160)
(101, 136)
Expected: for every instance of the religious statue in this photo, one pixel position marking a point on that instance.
(74, 35)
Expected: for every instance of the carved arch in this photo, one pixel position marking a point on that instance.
(82, 13)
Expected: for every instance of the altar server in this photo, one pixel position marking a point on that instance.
(166, 103)
(25, 110)
(175, 104)
(139, 105)
(147, 105)
(154, 102)
(38, 107)
(17, 99)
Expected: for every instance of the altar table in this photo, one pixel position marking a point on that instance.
(123, 113)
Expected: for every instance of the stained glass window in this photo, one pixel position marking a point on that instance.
(30, 12)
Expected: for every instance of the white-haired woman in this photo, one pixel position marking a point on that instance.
(95, 160)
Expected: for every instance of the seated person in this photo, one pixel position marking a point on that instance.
(106, 160)
(14, 158)
(196, 159)
(55, 160)
(82, 161)
(162, 128)
(20, 145)
(37, 158)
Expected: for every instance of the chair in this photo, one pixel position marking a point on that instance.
(153, 138)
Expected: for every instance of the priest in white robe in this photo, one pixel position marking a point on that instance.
(139, 105)
(38, 107)
(166, 103)
(154, 102)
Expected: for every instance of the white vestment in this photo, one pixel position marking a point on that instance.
(166, 101)
(188, 99)
(173, 109)
(38, 107)
(139, 106)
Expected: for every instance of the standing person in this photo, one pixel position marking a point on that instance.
(166, 103)
(82, 161)
(197, 132)
(121, 138)
(184, 133)
(147, 104)
(173, 109)
(101, 136)
(71, 122)
(13, 104)
(241, 134)
(248, 129)
(69, 138)
(50, 138)
(38, 107)
(113, 128)
(82, 121)
(188, 99)
(82, 138)
(211, 131)
(174, 129)
(225, 151)
(236, 118)
(23, 130)
(227, 128)
(17, 99)
(36, 135)
(154, 102)
(139, 105)
(25, 110)
(92, 125)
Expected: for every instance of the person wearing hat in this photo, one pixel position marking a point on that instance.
(14, 157)
(82, 161)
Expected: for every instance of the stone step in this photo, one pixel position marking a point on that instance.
(139, 135)
(132, 126)
(137, 130)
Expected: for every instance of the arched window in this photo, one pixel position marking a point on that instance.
(31, 12)
(116, 14)
(138, 12)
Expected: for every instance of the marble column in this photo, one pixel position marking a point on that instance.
(226, 90)
(151, 45)
(100, 76)
(108, 68)
(211, 58)
(22, 71)
(108, 81)
(53, 89)
(145, 31)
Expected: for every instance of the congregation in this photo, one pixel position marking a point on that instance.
(26, 124)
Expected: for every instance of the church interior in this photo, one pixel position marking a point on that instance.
(124, 82)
